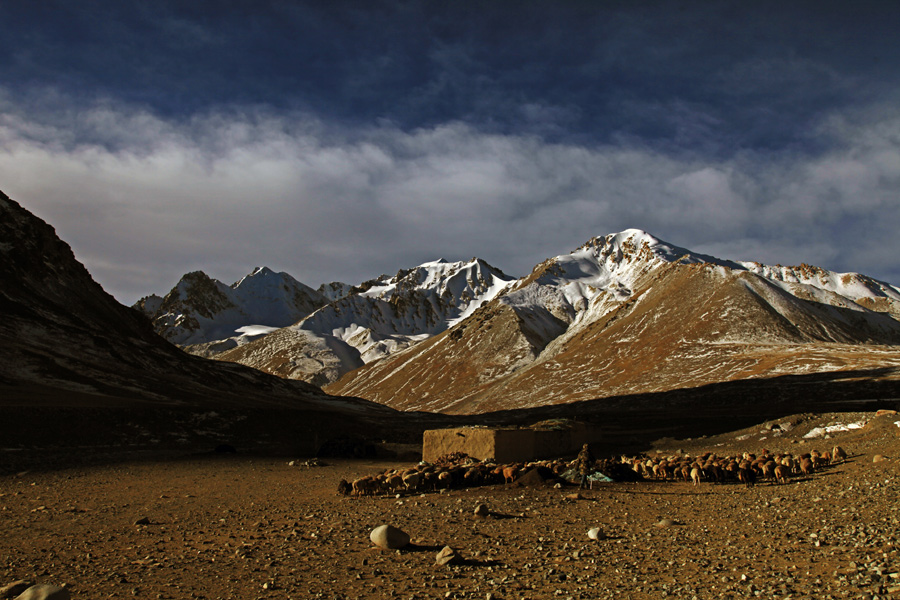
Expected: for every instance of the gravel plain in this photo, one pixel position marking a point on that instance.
(236, 526)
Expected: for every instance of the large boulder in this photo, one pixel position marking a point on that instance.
(45, 591)
(389, 537)
(14, 589)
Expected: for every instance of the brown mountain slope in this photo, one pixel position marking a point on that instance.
(689, 325)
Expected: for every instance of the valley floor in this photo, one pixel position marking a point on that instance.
(220, 527)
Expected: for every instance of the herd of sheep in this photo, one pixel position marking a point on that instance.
(458, 470)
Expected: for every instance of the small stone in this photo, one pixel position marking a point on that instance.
(447, 556)
(878, 458)
(142, 521)
(389, 537)
(45, 591)
(595, 533)
(575, 496)
(482, 510)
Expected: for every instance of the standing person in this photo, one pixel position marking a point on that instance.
(585, 465)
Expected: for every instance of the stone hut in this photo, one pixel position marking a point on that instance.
(548, 439)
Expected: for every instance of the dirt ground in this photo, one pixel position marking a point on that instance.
(243, 527)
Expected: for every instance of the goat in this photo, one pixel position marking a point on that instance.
(509, 473)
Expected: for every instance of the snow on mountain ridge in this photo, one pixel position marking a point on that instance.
(415, 303)
(851, 285)
(335, 290)
(200, 309)
(605, 267)
(383, 316)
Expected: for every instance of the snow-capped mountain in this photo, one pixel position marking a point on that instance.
(201, 310)
(464, 336)
(628, 313)
(378, 318)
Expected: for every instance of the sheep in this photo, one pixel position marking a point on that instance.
(444, 479)
(661, 471)
(695, 476)
(838, 455)
(806, 466)
(781, 474)
(713, 472)
(393, 483)
(411, 481)
(364, 486)
(472, 477)
(816, 458)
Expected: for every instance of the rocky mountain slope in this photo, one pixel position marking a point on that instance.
(78, 368)
(628, 313)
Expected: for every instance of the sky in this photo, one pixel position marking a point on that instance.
(338, 141)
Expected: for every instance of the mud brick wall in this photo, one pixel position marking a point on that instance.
(503, 445)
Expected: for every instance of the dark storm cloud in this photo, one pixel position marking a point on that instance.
(343, 140)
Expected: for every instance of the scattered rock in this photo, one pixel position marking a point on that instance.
(142, 521)
(575, 496)
(878, 458)
(666, 523)
(45, 591)
(389, 537)
(447, 556)
(595, 533)
(482, 510)
(14, 589)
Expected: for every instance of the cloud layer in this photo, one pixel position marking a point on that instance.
(144, 198)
